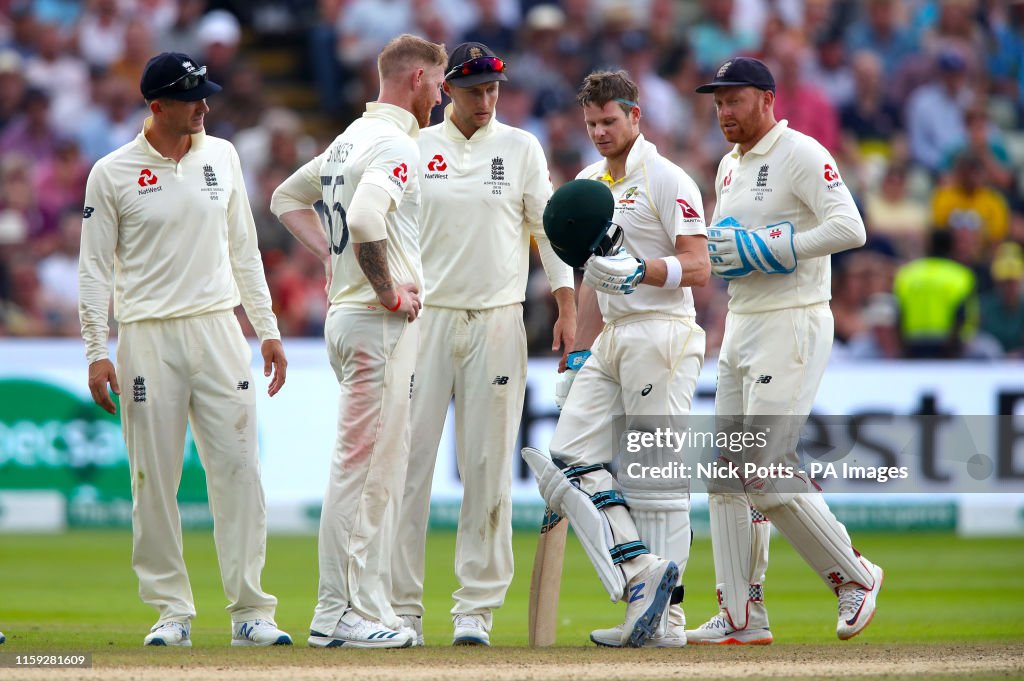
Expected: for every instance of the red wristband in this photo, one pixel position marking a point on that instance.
(398, 304)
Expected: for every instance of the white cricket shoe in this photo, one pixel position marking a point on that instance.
(169, 634)
(2, 637)
(471, 630)
(674, 635)
(647, 598)
(258, 633)
(414, 623)
(356, 631)
(857, 604)
(718, 631)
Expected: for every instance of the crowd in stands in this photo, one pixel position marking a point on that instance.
(920, 101)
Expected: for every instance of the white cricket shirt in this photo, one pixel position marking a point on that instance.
(176, 238)
(655, 201)
(483, 198)
(378, 148)
(788, 177)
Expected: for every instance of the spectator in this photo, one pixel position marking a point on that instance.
(967, 201)
(1002, 308)
(64, 77)
(986, 142)
(935, 112)
(58, 276)
(59, 181)
(893, 217)
(30, 133)
(872, 117)
(880, 337)
(114, 119)
(12, 86)
(937, 302)
(830, 71)
(489, 29)
(716, 37)
(182, 34)
(883, 31)
(797, 100)
(101, 33)
(138, 47)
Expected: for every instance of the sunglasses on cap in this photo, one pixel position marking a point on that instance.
(476, 66)
(189, 81)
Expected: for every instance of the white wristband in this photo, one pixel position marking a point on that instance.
(673, 272)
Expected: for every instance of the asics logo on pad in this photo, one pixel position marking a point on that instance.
(636, 592)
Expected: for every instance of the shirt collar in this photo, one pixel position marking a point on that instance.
(198, 139)
(765, 144)
(639, 152)
(453, 132)
(402, 118)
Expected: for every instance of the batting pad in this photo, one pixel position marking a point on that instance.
(823, 542)
(590, 524)
(732, 544)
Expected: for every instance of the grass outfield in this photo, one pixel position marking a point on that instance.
(78, 590)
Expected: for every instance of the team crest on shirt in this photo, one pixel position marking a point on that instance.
(630, 195)
(212, 186)
(497, 182)
(761, 188)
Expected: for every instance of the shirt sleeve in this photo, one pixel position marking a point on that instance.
(246, 263)
(100, 221)
(678, 204)
(817, 183)
(716, 216)
(536, 192)
(301, 190)
(393, 166)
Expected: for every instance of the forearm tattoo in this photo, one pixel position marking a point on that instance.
(372, 257)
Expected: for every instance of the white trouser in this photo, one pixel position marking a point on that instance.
(771, 365)
(643, 367)
(479, 357)
(195, 370)
(373, 354)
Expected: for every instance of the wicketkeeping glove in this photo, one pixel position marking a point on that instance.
(617, 274)
(736, 252)
(573, 363)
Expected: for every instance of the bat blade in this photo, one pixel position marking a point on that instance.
(546, 580)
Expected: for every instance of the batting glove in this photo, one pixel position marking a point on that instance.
(573, 363)
(617, 274)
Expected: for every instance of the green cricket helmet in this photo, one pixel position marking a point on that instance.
(578, 222)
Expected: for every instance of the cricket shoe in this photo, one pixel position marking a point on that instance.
(471, 630)
(414, 623)
(674, 635)
(647, 597)
(718, 631)
(356, 631)
(857, 604)
(258, 633)
(169, 634)
(2, 637)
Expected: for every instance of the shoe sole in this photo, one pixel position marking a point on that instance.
(327, 642)
(731, 641)
(616, 644)
(470, 641)
(160, 643)
(246, 643)
(874, 608)
(647, 624)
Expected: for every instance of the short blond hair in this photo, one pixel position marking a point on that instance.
(601, 87)
(408, 51)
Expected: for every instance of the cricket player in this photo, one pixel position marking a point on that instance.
(485, 185)
(642, 364)
(782, 209)
(368, 181)
(168, 223)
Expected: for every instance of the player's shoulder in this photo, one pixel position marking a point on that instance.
(794, 142)
(431, 134)
(509, 134)
(592, 172)
(131, 152)
(664, 172)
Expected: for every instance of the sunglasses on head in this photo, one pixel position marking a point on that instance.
(189, 81)
(475, 66)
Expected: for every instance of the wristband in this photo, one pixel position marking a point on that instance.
(673, 272)
(398, 304)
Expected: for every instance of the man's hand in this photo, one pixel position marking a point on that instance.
(273, 356)
(407, 296)
(736, 252)
(575, 362)
(617, 274)
(101, 372)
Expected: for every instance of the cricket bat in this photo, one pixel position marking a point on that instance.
(546, 581)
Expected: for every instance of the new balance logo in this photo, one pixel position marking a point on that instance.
(245, 629)
(500, 380)
(243, 385)
(636, 592)
(87, 212)
(763, 379)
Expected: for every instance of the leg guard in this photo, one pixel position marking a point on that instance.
(584, 511)
(804, 518)
(740, 556)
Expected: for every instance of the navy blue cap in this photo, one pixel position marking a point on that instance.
(175, 75)
(741, 71)
(474, 72)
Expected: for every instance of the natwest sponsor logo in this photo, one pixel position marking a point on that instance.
(147, 180)
(436, 167)
(401, 172)
(727, 180)
(688, 212)
(437, 164)
(832, 177)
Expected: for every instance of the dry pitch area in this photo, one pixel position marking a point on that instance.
(838, 661)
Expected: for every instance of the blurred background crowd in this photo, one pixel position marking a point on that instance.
(920, 101)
